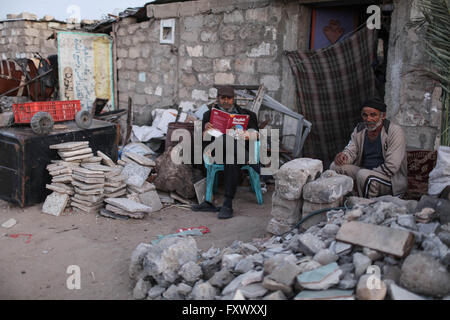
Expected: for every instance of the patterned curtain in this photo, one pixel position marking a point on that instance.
(332, 83)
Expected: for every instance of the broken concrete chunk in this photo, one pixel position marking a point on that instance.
(107, 160)
(391, 241)
(87, 186)
(86, 209)
(368, 289)
(87, 203)
(399, 293)
(55, 203)
(115, 171)
(253, 291)
(361, 262)
(92, 160)
(116, 194)
(285, 273)
(306, 243)
(63, 179)
(119, 211)
(136, 174)
(151, 199)
(9, 223)
(139, 159)
(70, 145)
(422, 274)
(96, 167)
(147, 186)
(243, 280)
(84, 156)
(114, 189)
(116, 184)
(332, 294)
(278, 228)
(293, 175)
(60, 188)
(68, 154)
(88, 173)
(128, 205)
(272, 285)
(88, 180)
(321, 278)
(88, 192)
(203, 291)
(327, 190)
(325, 256)
(89, 198)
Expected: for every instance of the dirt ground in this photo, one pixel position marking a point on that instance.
(35, 267)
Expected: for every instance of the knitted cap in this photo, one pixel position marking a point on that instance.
(375, 103)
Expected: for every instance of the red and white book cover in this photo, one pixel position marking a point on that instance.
(223, 121)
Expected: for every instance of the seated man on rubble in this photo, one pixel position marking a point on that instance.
(375, 157)
(232, 171)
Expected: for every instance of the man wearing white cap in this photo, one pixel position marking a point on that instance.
(375, 157)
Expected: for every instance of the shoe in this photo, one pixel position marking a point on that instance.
(204, 206)
(225, 213)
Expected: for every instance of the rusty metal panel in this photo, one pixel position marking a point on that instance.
(86, 68)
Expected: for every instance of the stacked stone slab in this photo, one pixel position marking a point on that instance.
(115, 185)
(127, 207)
(287, 198)
(61, 173)
(88, 186)
(146, 195)
(326, 192)
(71, 153)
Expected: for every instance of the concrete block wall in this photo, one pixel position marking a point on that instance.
(21, 38)
(413, 99)
(146, 69)
(216, 42)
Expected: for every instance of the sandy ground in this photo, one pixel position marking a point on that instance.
(35, 267)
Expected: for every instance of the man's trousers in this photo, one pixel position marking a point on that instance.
(368, 183)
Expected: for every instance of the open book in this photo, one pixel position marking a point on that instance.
(222, 121)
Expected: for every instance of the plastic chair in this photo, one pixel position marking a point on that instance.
(212, 178)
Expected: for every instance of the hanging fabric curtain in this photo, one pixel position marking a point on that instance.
(331, 84)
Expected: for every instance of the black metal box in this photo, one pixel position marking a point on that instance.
(25, 155)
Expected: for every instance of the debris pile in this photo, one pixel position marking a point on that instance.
(374, 249)
(379, 252)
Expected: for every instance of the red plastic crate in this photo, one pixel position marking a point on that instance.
(59, 110)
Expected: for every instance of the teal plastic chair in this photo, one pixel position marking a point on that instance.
(212, 178)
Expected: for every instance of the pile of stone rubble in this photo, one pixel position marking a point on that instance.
(313, 264)
(375, 249)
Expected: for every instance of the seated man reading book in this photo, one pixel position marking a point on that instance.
(232, 171)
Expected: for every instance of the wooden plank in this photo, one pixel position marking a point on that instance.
(387, 240)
